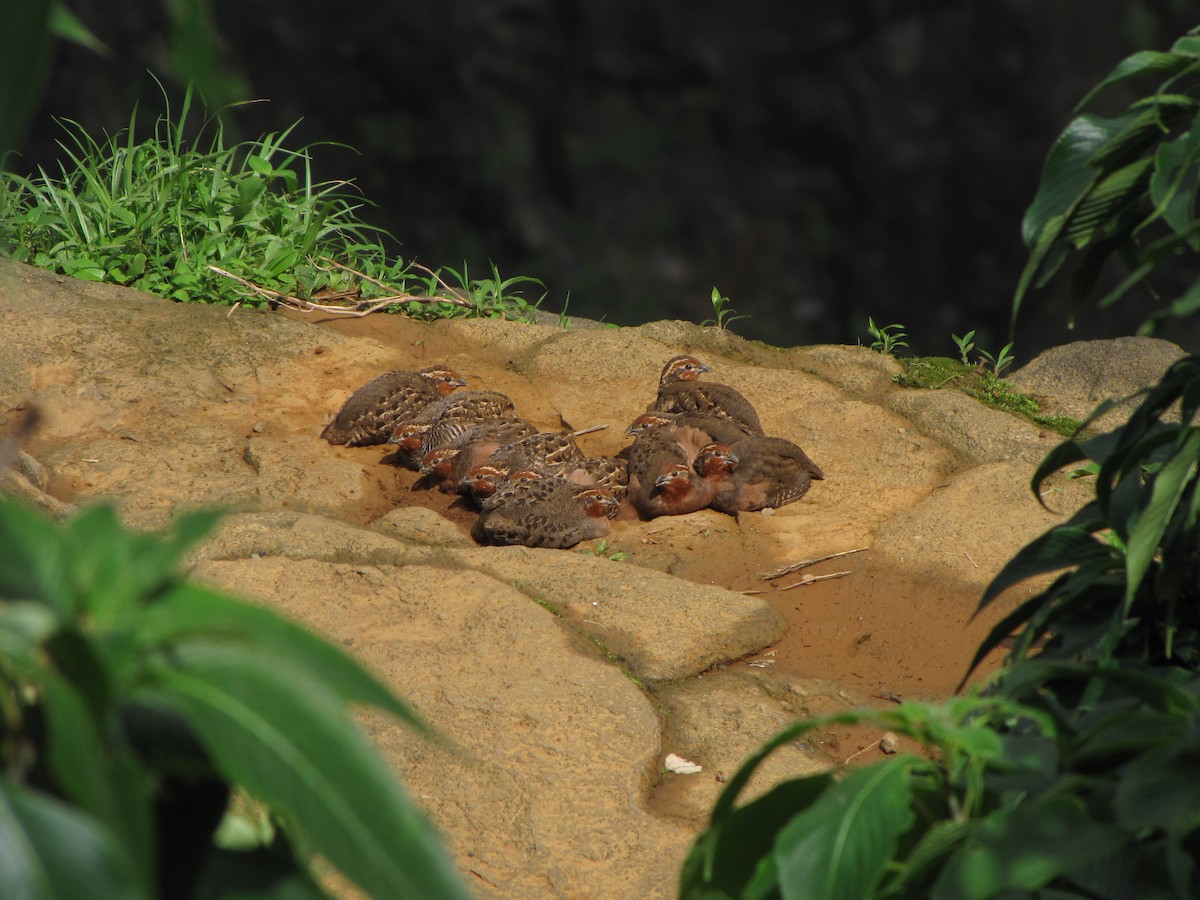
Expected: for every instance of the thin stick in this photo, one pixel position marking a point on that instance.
(811, 579)
(455, 299)
(807, 579)
(461, 299)
(862, 751)
(787, 570)
(357, 311)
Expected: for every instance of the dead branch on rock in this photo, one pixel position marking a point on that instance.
(787, 570)
(360, 307)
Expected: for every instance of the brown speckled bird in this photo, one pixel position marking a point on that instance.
(452, 416)
(545, 512)
(679, 391)
(544, 450)
(371, 413)
(445, 466)
(676, 490)
(657, 447)
(597, 471)
(768, 472)
(695, 429)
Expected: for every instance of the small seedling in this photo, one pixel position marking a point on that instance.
(887, 338)
(965, 345)
(603, 551)
(1001, 360)
(724, 312)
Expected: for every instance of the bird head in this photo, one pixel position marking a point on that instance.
(444, 378)
(715, 459)
(646, 421)
(682, 368)
(599, 503)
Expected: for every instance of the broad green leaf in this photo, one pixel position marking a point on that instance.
(1145, 62)
(289, 741)
(188, 612)
(24, 626)
(1107, 199)
(34, 564)
(49, 850)
(841, 845)
(1024, 847)
(1173, 184)
(724, 860)
(1161, 790)
(107, 784)
(1068, 172)
(1166, 489)
(1058, 548)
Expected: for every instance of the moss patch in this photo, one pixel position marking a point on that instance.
(938, 372)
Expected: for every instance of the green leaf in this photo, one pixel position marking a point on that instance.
(279, 732)
(110, 786)
(188, 612)
(724, 859)
(1161, 790)
(1106, 200)
(1058, 548)
(49, 850)
(1068, 172)
(34, 563)
(1147, 527)
(841, 845)
(1145, 62)
(1025, 847)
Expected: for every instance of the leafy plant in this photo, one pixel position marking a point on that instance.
(965, 345)
(133, 702)
(1000, 361)
(1132, 591)
(723, 311)
(1125, 187)
(886, 338)
(200, 222)
(1077, 772)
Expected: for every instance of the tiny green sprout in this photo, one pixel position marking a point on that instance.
(1001, 360)
(723, 311)
(965, 345)
(887, 338)
(603, 551)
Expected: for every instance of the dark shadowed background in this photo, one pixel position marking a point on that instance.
(817, 162)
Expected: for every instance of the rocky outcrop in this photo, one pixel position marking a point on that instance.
(561, 679)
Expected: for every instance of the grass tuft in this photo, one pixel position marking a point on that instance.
(936, 372)
(156, 213)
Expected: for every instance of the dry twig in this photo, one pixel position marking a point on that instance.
(787, 570)
(358, 309)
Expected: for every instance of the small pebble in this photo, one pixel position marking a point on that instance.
(889, 743)
(259, 427)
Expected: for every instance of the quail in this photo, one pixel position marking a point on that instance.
(371, 412)
(679, 391)
(767, 472)
(546, 512)
(452, 415)
(676, 490)
(445, 466)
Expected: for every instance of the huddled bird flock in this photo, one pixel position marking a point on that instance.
(699, 445)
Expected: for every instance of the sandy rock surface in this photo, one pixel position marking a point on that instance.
(562, 678)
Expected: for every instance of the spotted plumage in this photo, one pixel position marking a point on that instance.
(371, 413)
